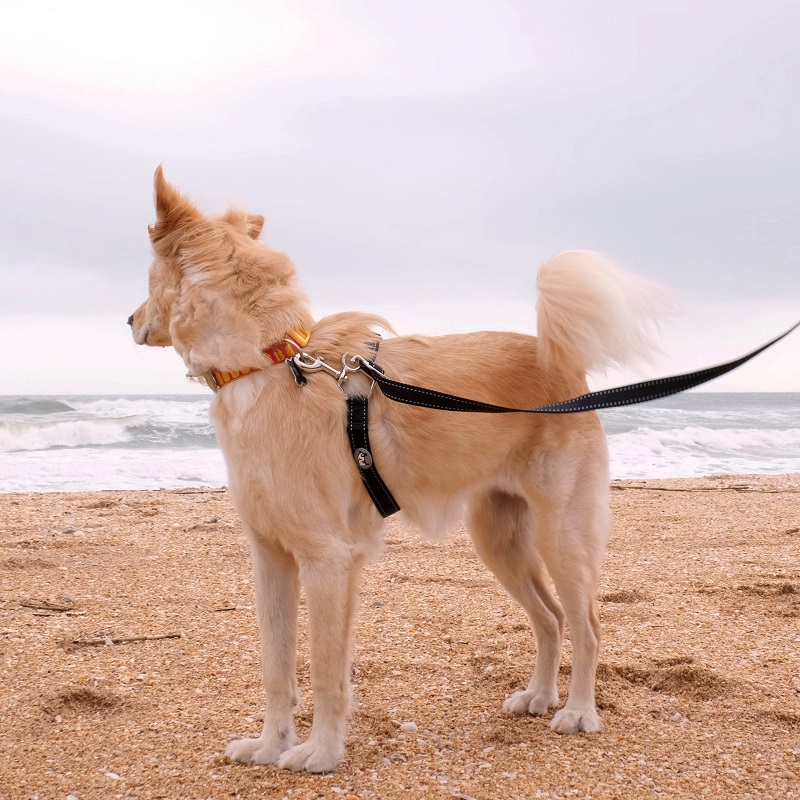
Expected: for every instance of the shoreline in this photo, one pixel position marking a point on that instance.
(725, 476)
(698, 683)
(712, 482)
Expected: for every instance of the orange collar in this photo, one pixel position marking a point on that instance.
(293, 343)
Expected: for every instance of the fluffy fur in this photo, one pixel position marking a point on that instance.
(536, 498)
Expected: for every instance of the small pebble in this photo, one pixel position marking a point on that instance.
(409, 727)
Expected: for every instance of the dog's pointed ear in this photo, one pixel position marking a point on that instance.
(255, 224)
(171, 205)
(173, 211)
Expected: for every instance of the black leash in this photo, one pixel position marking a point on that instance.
(605, 398)
(358, 409)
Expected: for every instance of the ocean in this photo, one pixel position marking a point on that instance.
(86, 443)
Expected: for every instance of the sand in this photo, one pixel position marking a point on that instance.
(699, 683)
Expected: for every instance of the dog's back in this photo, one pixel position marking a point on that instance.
(590, 314)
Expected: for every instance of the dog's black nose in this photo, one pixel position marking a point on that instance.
(130, 320)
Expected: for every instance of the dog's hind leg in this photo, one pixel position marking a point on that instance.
(572, 529)
(277, 591)
(330, 582)
(501, 527)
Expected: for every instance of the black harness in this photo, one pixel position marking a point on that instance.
(358, 408)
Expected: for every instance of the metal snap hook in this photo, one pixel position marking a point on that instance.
(309, 363)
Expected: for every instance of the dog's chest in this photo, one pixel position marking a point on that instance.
(281, 441)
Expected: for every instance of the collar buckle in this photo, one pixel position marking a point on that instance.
(211, 380)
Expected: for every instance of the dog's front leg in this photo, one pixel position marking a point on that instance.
(277, 591)
(331, 587)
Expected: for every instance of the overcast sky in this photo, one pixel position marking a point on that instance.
(418, 159)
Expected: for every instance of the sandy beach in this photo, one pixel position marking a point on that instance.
(130, 656)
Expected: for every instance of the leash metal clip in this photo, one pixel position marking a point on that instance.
(305, 362)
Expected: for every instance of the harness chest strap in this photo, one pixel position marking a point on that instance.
(358, 434)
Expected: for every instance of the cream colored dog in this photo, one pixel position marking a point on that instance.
(535, 486)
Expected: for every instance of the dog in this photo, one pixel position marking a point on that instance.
(535, 487)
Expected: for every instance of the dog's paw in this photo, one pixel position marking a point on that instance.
(576, 721)
(258, 751)
(312, 756)
(530, 702)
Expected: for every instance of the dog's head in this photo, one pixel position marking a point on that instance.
(215, 293)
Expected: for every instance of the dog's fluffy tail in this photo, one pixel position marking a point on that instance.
(593, 314)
